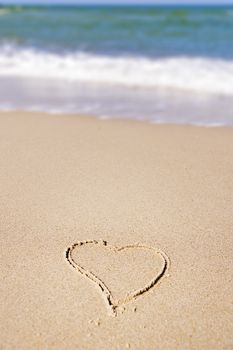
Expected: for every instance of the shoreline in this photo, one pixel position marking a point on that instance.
(113, 118)
(90, 184)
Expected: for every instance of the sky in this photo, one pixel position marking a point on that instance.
(118, 1)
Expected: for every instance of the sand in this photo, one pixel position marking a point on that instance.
(114, 234)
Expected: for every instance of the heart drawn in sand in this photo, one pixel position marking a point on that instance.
(121, 274)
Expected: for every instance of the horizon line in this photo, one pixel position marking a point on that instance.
(114, 4)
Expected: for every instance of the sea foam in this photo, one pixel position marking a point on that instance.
(213, 76)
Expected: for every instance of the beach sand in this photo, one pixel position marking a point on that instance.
(163, 191)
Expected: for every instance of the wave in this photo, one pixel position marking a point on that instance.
(213, 76)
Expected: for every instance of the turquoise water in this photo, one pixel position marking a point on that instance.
(144, 31)
(160, 55)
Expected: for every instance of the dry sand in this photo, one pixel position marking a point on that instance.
(65, 180)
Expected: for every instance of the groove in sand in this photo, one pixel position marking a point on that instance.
(110, 302)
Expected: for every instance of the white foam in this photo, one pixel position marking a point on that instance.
(193, 74)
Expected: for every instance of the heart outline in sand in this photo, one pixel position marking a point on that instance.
(110, 302)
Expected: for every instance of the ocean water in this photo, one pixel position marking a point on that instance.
(163, 64)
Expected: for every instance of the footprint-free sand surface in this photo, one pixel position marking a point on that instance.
(114, 234)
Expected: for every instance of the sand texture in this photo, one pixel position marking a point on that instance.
(114, 234)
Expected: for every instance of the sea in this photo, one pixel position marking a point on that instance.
(162, 64)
